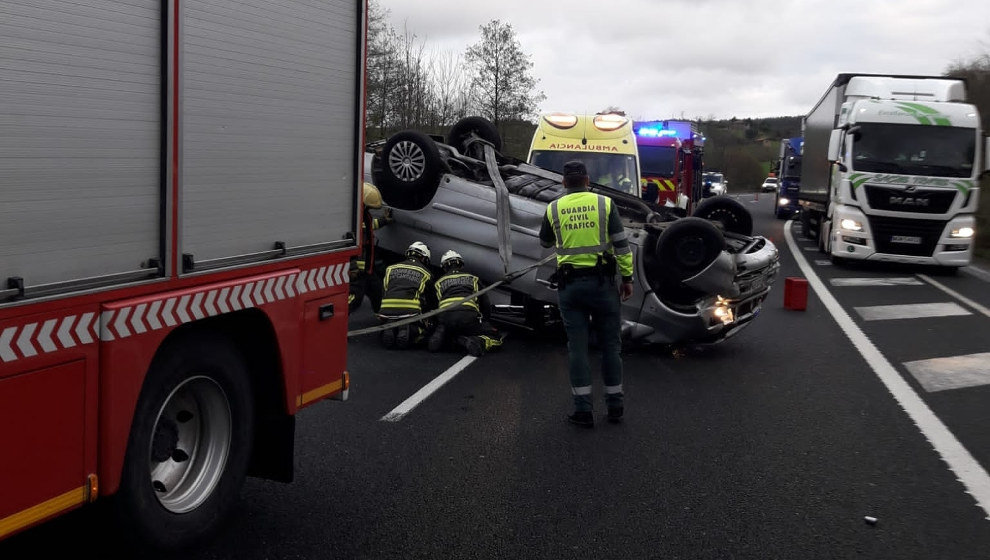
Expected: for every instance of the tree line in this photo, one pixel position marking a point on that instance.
(409, 86)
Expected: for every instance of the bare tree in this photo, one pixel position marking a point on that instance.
(502, 86)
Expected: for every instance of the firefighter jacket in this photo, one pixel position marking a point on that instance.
(456, 285)
(582, 226)
(405, 287)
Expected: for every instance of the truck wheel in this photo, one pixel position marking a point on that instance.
(479, 126)
(410, 170)
(727, 211)
(190, 443)
(689, 245)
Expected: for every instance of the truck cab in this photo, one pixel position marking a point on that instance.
(670, 157)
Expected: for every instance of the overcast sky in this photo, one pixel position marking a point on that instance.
(707, 58)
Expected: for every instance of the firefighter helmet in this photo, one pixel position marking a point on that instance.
(372, 197)
(418, 249)
(451, 259)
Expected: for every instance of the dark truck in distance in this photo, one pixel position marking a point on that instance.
(698, 279)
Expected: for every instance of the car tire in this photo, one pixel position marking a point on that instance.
(733, 216)
(687, 246)
(190, 443)
(409, 170)
(464, 129)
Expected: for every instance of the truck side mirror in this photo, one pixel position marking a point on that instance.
(986, 154)
(834, 143)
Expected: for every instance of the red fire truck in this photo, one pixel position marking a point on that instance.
(178, 207)
(670, 159)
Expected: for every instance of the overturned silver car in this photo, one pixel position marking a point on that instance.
(698, 279)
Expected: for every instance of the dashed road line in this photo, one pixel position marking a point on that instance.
(956, 295)
(867, 282)
(823, 262)
(911, 311)
(419, 396)
(955, 372)
(967, 470)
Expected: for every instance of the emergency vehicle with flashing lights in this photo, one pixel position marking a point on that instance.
(671, 156)
(891, 169)
(604, 142)
(177, 216)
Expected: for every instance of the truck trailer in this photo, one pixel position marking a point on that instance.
(891, 168)
(179, 203)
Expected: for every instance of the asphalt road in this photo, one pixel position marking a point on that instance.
(777, 443)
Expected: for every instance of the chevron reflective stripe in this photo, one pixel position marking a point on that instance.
(59, 333)
(42, 337)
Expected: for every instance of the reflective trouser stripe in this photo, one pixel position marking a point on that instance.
(586, 390)
(613, 389)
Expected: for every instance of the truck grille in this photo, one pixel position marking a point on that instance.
(899, 236)
(899, 200)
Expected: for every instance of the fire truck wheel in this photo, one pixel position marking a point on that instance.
(410, 169)
(190, 443)
(479, 126)
(729, 212)
(689, 245)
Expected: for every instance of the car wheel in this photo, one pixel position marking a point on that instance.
(688, 246)
(464, 129)
(410, 167)
(727, 211)
(189, 445)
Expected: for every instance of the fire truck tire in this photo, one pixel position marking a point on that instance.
(190, 443)
(729, 212)
(411, 167)
(479, 126)
(688, 245)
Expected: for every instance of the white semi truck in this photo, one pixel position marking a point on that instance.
(891, 170)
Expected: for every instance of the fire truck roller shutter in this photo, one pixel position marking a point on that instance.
(80, 164)
(271, 125)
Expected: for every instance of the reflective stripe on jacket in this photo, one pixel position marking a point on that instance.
(581, 227)
(455, 286)
(405, 284)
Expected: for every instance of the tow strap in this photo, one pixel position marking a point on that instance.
(508, 278)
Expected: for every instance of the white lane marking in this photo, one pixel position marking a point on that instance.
(976, 272)
(969, 472)
(823, 262)
(956, 372)
(956, 295)
(910, 311)
(810, 248)
(419, 396)
(864, 282)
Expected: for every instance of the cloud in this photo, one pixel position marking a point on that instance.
(721, 58)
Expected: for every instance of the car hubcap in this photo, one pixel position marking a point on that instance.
(407, 161)
(190, 444)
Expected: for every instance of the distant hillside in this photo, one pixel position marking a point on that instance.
(745, 149)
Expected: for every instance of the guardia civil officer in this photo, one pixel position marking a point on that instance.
(590, 242)
(466, 324)
(407, 294)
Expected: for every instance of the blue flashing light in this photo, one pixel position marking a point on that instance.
(654, 132)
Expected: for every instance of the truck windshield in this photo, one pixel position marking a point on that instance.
(657, 160)
(615, 171)
(937, 151)
(793, 168)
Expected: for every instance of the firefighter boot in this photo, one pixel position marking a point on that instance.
(491, 342)
(388, 338)
(436, 340)
(402, 337)
(474, 345)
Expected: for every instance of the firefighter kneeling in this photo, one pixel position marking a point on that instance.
(406, 295)
(466, 324)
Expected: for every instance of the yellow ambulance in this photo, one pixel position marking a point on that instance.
(605, 142)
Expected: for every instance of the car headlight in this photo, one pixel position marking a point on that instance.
(723, 311)
(963, 233)
(851, 225)
(783, 201)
